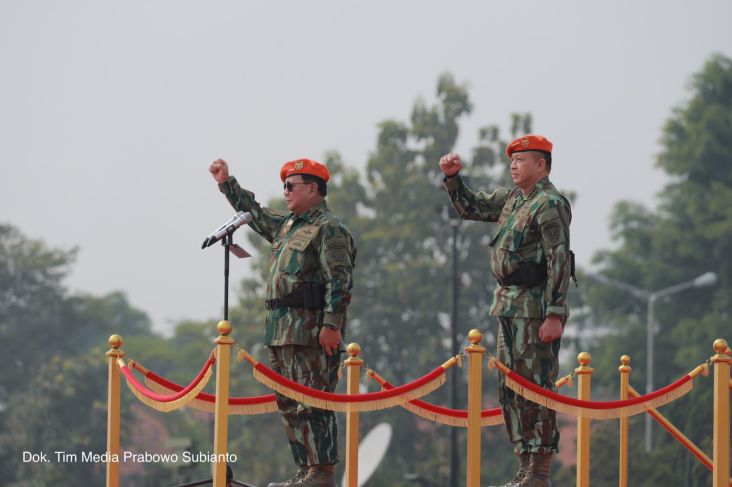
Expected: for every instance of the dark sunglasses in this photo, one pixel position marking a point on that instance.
(290, 186)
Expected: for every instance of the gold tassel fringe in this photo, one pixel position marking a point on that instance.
(166, 407)
(209, 407)
(613, 413)
(349, 407)
(449, 420)
(431, 415)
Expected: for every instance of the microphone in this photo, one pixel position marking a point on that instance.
(227, 228)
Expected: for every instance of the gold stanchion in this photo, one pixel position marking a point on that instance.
(475, 387)
(113, 407)
(624, 370)
(352, 419)
(221, 408)
(584, 381)
(721, 361)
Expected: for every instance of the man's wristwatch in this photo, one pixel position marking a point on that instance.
(331, 326)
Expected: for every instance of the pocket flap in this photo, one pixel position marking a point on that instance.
(302, 237)
(509, 238)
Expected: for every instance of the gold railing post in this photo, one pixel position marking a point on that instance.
(720, 458)
(475, 388)
(584, 381)
(353, 364)
(624, 370)
(221, 407)
(113, 409)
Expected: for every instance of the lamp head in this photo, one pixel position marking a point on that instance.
(706, 279)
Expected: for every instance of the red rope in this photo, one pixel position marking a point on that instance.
(597, 404)
(455, 413)
(165, 397)
(233, 401)
(350, 398)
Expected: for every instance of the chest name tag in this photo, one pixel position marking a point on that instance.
(302, 237)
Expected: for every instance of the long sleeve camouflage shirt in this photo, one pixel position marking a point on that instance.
(310, 248)
(531, 228)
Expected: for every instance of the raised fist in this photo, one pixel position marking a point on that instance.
(450, 164)
(219, 170)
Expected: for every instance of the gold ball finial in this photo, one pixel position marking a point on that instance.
(475, 336)
(584, 359)
(353, 349)
(720, 346)
(223, 327)
(115, 341)
(625, 360)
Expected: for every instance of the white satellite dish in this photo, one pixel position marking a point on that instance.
(371, 451)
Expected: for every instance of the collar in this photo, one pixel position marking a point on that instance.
(540, 185)
(313, 213)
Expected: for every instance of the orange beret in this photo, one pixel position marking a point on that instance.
(529, 142)
(305, 166)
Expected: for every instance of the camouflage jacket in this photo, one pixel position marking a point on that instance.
(311, 248)
(531, 228)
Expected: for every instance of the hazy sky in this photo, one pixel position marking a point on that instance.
(110, 112)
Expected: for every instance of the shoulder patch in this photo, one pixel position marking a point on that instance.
(337, 255)
(552, 232)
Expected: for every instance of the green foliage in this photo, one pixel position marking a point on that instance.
(32, 303)
(403, 291)
(52, 388)
(36, 312)
(689, 234)
(63, 409)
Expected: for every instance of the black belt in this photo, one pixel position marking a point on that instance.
(310, 296)
(531, 274)
(528, 274)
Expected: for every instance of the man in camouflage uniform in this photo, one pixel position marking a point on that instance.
(532, 262)
(308, 291)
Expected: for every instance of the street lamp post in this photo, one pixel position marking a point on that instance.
(706, 279)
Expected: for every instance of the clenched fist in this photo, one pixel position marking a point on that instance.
(219, 170)
(450, 164)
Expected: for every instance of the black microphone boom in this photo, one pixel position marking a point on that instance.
(241, 218)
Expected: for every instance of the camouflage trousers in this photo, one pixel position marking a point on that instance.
(312, 432)
(532, 428)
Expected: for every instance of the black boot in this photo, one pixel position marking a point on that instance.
(540, 471)
(318, 476)
(523, 468)
(287, 483)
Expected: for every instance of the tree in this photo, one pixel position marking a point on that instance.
(63, 409)
(690, 233)
(38, 313)
(32, 304)
(52, 389)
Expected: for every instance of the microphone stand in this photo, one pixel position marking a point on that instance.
(226, 242)
(229, 248)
